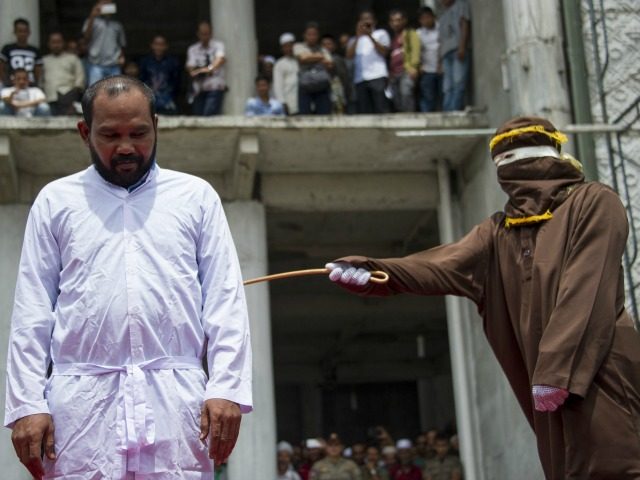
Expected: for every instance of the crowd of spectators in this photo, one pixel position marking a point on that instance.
(432, 456)
(377, 69)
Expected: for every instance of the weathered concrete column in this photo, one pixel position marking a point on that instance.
(12, 9)
(12, 219)
(254, 455)
(535, 59)
(234, 23)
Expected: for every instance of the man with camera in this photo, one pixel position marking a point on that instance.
(369, 49)
(105, 41)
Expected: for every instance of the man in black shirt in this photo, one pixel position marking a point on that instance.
(21, 55)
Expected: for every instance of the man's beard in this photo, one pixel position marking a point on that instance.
(125, 178)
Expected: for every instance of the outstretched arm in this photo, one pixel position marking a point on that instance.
(454, 269)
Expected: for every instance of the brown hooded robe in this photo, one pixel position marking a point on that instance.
(551, 295)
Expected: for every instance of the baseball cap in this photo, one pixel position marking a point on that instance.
(287, 38)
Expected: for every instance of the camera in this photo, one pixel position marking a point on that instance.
(108, 9)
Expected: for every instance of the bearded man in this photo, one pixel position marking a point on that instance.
(128, 278)
(546, 276)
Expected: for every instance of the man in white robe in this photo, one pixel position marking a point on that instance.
(128, 278)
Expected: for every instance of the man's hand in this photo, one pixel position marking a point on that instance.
(547, 398)
(347, 274)
(32, 434)
(220, 422)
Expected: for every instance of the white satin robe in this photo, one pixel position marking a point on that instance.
(124, 293)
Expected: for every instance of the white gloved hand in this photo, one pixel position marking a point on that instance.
(547, 398)
(347, 274)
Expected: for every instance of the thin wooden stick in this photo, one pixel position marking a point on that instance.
(376, 276)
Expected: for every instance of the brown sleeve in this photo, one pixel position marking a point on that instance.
(580, 330)
(453, 269)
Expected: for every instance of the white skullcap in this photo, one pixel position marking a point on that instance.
(284, 447)
(287, 38)
(313, 443)
(403, 444)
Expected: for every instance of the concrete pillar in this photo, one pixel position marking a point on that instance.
(254, 455)
(466, 408)
(12, 9)
(13, 219)
(234, 23)
(535, 59)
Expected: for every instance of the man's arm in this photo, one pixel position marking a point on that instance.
(26, 409)
(453, 269)
(226, 325)
(580, 330)
(88, 27)
(464, 38)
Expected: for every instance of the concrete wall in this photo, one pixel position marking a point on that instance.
(621, 87)
(505, 443)
(12, 221)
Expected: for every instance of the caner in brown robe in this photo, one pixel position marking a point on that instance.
(551, 295)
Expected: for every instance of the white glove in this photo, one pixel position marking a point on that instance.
(548, 399)
(347, 274)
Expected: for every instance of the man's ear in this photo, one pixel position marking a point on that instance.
(155, 122)
(84, 131)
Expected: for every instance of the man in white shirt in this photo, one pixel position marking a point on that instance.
(64, 77)
(21, 100)
(285, 75)
(369, 49)
(205, 64)
(430, 68)
(128, 279)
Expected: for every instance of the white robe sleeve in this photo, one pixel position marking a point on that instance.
(32, 320)
(224, 310)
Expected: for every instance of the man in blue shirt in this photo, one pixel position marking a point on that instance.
(263, 104)
(161, 72)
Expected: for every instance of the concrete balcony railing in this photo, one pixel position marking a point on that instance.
(280, 160)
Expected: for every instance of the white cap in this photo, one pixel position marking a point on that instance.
(284, 447)
(287, 38)
(313, 443)
(403, 444)
(347, 452)
(269, 59)
(389, 450)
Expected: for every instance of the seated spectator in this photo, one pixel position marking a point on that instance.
(454, 42)
(285, 468)
(369, 50)
(339, 76)
(131, 69)
(161, 72)
(21, 100)
(205, 64)
(314, 79)
(263, 104)
(404, 62)
(285, 75)
(334, 466)
(20, 55)
(371, 469)
(64, 79)
(443, 466)
(358, 453)
(389, 458)
(423, 452)
(265, 66)
(314, 449)
(105, 41)
(405, 469)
